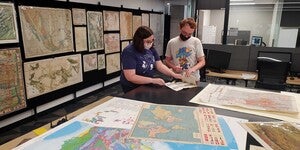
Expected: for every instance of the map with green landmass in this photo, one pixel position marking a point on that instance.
(167, 123)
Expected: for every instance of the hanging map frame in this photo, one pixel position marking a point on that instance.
(12, 92)
(46, 31)
(8, 30)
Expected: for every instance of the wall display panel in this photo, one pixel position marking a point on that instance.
(89, 62)
(44, 76)
(113, 63)
(145, 19)
(12, 94)
(124, 44)
(112, 42)
(126, 25)
(8, 30)
(95, 30)
(46, 31)
(79, 16)
(80, 39)
(101, 61)
(136, 22)
(157, 27)
(111, 20)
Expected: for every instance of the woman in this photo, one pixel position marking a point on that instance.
(139, 59)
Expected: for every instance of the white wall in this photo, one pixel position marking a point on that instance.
(256, 18)
(156, 5)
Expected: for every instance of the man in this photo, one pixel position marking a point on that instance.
(184, 53)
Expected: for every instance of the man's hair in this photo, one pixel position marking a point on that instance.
(140, 34)
(190, 21)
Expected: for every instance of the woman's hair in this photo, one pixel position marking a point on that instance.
(190, 21)
(140, 34)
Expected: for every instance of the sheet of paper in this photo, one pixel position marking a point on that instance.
(113, 113)
(177, 86)
(248, 76)
(190, 79)
(262, 103)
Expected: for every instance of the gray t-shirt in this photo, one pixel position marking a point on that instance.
(185, 53)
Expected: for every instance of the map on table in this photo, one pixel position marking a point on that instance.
(201, 130)
(275, 135)
(248, 98)
(169, 123)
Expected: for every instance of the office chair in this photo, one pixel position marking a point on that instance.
(272, 74)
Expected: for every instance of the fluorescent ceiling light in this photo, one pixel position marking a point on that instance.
(242, 3)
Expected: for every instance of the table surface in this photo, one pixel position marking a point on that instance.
(164, 95)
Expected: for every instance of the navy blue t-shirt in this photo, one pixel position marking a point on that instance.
(142, 62)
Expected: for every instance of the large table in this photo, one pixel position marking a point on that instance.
(164, 95)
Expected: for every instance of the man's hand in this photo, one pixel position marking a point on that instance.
(177, 69)
(189, 72)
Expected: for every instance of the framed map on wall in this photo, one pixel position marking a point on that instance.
(111, 20)
(89, 62)
(112, 42)
(79, 16)
(126, 25)
(12, 94)
(124, 44)
(47, 75)
(101, 61)
(136, 22)
(46, 31)
(145, 19)
(80, 39)
(8, 30)
(95, 30)
(113, 63)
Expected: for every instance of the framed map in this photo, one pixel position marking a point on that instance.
(137, 22)
(145, 19)
(8, 30)
(46, 31)
(124, 44)
(95, 30)
(111, 20)
(101, 61)
(12, 94)
(113, 63)
(126, 25)
(112, 42)
(89, 62)
(79, 16)
(44, 76)
(157, 28)
(80, 39)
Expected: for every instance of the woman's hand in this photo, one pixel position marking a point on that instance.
(158, 81)
(177, 76)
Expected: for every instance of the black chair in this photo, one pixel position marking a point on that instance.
(272, 74)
